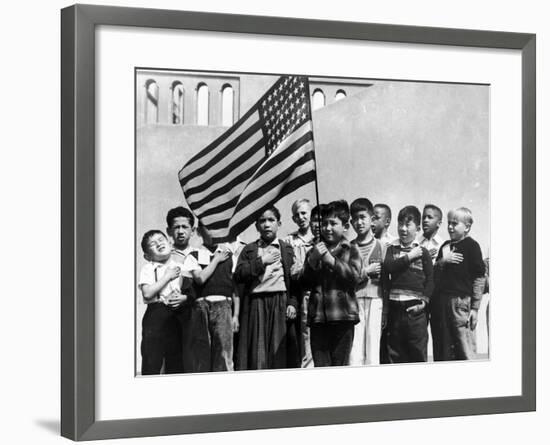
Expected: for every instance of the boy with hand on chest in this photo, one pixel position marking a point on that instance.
(431, 220)
(460, 281)
(332, 271)
(366, 342)
(160, 282)
(408, 286)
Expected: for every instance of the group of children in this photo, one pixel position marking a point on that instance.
(313, 298)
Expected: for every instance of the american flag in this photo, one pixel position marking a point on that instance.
(266, 155)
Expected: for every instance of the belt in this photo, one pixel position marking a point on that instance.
(214, 298)
(405, 304)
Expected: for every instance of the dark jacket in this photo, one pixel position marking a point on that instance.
(332, 297)
(250, 269)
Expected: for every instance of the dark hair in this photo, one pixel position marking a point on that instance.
(361, 205)
(147, 236)
(178, 212)
(272, 209)
(338, 209)
(409, 213)
(318, 209)
(386, 209)
(435, 208)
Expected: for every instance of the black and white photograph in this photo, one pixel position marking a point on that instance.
(296, 221)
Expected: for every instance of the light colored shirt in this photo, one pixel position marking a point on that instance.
(301, 246)
(273, 279)
(151, 272)
(203, 255)
(386, 239)
(370, 287)
(430, 243)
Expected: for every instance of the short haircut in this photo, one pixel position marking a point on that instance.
(361, 205)
(464, 214)
(178, 212)
(434, 208)
(272, 209)
(298, 203)
(338, 209)
(318, 210)
(386, 209)
(147, 236)
(409, 213)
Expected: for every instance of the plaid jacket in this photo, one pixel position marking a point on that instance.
(332, 297)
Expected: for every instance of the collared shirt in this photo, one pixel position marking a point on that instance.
(301, 246)
(388, 239)
(273, 279)
(370, 287)
(430, 243)
(152, 271)
(203, 255)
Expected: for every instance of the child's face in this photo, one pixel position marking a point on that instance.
(268, 225)
(181, 230)
(315, 226)
(431, 220)
(407, 231)
(158, 248)
(361, 222)
(379, 221)
(456, 227)
(333, 229)
(301, 216)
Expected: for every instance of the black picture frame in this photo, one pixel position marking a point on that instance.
(78, 24)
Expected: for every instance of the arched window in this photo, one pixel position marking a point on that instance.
(340, 94)
(151, 102)
(177, 103)
(227, 105)
(202, 104)
(318, 99)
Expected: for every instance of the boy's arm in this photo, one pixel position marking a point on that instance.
(428, 269)
(392, 264)
(150, 290)
(202, 275)
(248, 266)
(385, 283)
(236, 309)
(292, 292)
(349, 269)
(477, 269)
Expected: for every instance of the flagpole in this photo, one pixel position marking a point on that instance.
(314, 156)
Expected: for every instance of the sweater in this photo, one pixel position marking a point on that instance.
(400, 275)
(458, 279)
(220, 282)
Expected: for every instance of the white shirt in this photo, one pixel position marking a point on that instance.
(388, 239)
(152, 271)
(429, 243)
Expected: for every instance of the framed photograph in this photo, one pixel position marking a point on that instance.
(180, 133)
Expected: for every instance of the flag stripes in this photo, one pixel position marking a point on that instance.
(267, 154)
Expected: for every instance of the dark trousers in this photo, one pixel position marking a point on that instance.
(212, 336)
(331, 343)
(452, 336)
(406, 336)
(161, 340)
